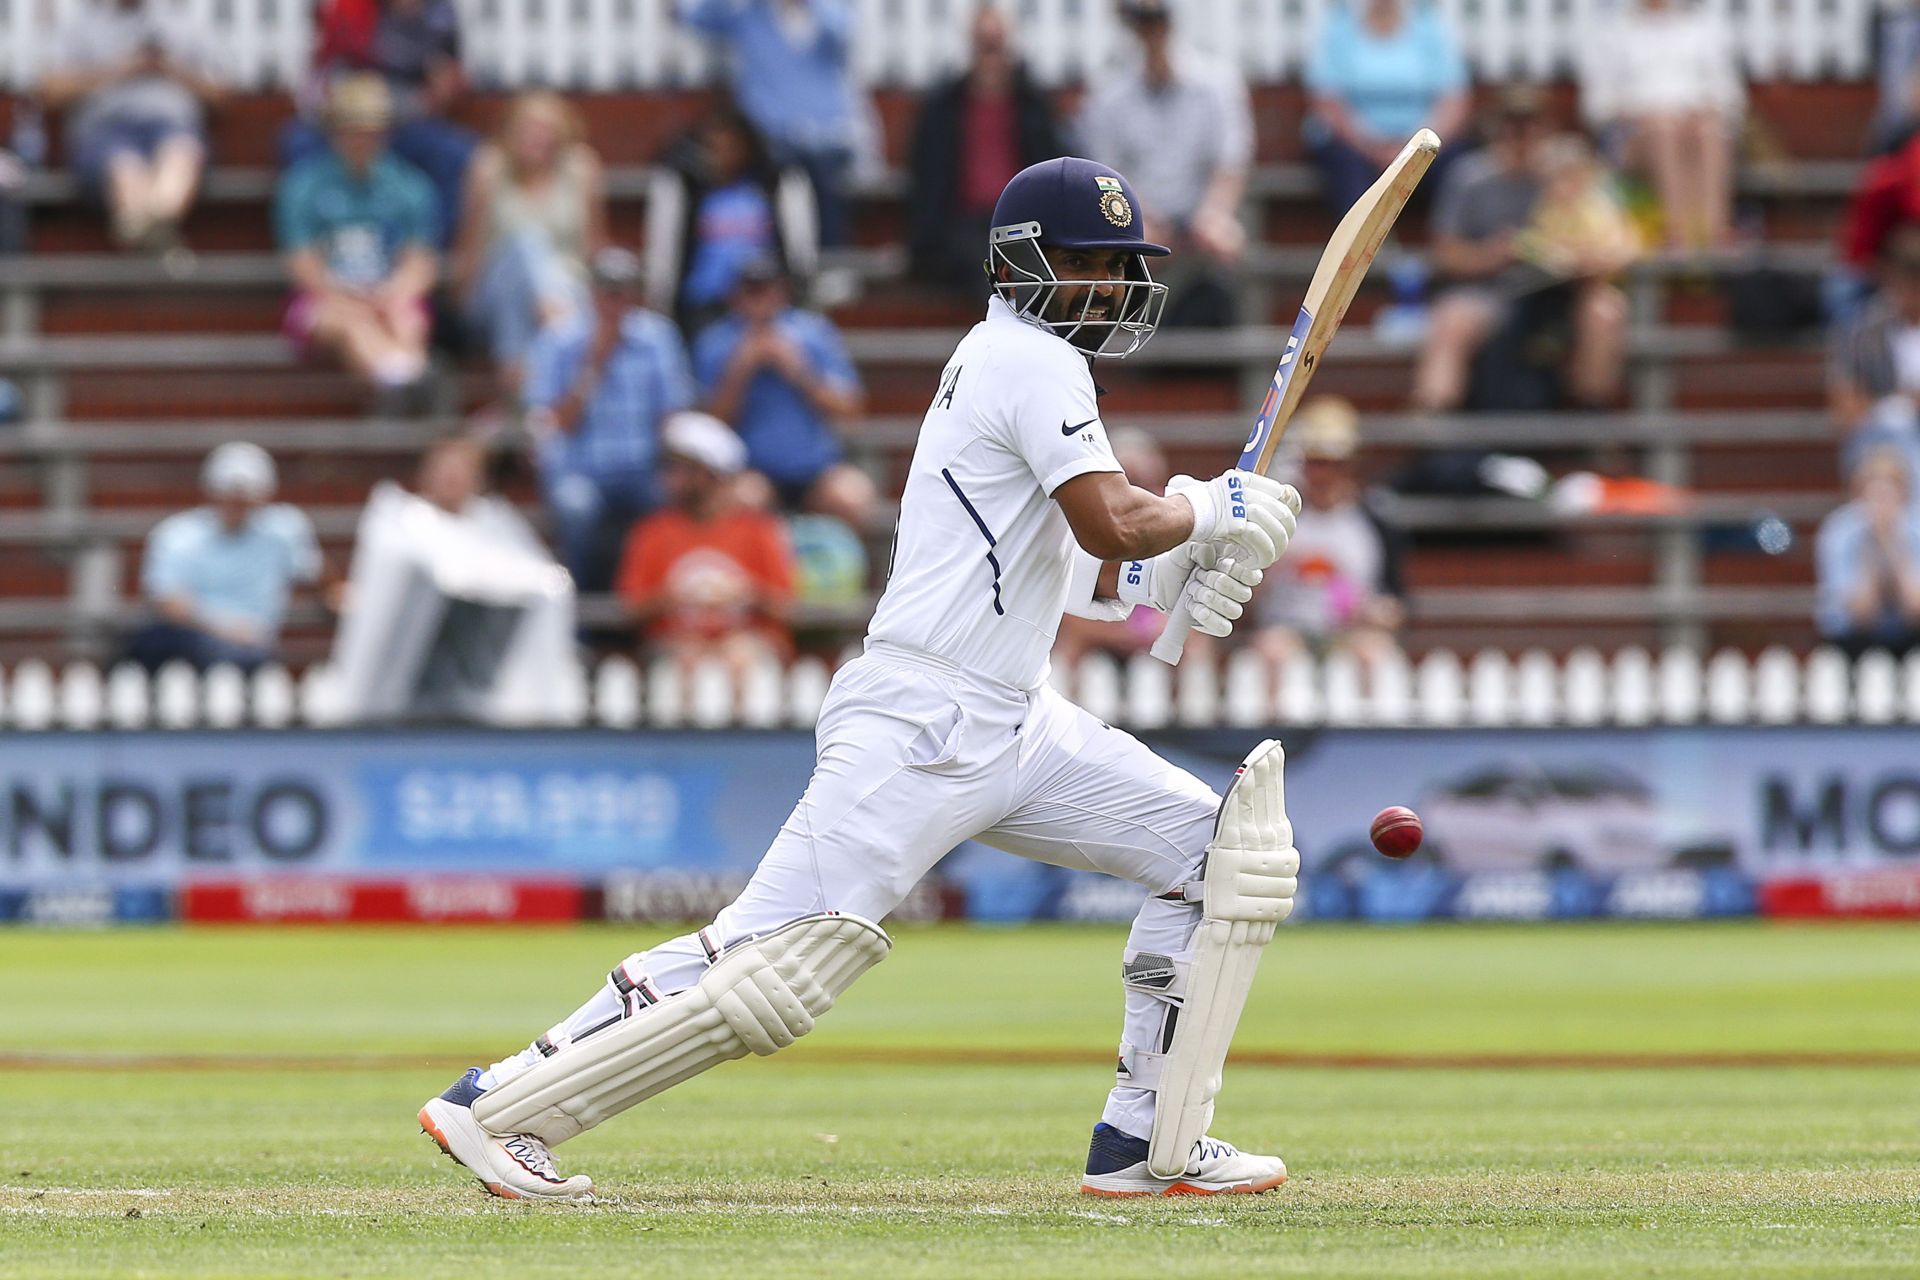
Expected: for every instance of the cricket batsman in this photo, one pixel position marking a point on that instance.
(945, 730)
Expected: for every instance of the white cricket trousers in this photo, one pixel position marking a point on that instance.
(915, 756)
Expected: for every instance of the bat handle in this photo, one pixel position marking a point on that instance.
(1172, 641)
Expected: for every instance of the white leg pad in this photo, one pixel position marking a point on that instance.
(1248, 890)
(759, 996)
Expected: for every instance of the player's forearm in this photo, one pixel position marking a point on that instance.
(1139, 524)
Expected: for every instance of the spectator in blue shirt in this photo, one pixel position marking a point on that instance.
(790, 75)
(414, 45)
(596, 393)
(781, 377)
(219, 576)
(1377, 74)
(1867, 557)
(356, 225)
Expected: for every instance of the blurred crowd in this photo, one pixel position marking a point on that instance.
(682, 406)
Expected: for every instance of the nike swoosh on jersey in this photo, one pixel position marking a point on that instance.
(1066, 430)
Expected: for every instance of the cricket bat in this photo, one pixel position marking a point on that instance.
(1335, 280)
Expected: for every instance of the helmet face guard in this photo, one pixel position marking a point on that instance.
(1029, 286)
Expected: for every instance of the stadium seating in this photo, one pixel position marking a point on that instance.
(130, 373)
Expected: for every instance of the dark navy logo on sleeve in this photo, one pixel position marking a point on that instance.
(1066, 430)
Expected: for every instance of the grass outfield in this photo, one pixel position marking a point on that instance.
(1612, 1100)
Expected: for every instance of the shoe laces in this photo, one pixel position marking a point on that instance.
(533, 1155)
(1214, 1149)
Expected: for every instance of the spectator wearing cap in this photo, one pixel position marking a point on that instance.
(974, 133)
(1180, 126)
(596, 394)
(791, 63)
(1380, 71)
(536, 213)
(1339, 586)
(356, 226)
(708, 573)
(219, 576)
(135, 79)
(414, 46)
(1867, 561)
(1873, 364)
(782, 378)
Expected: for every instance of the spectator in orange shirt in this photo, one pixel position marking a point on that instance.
(709, 573)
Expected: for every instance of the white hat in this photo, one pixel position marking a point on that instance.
(240, 470)
(706, 440)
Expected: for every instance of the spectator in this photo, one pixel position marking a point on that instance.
(1180, 127)
(708, 574)
(1145, 465)
(453, 474)
(1381, 70)
(13, 202)
(1663, 72)
(596, 394)
(1484, 225)
(1886, 199)
(1338, 588)
(1873, 368)
(414, 45)
(781, 377)
(135, 79)
(790, 75)
(356, 224)
(716, 202)
(1867, 556)
(219, 576)
(974, 133)
(536, 212)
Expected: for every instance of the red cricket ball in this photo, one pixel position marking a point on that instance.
(1396, 831)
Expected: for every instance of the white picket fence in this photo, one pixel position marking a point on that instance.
(1443, 690)
(612, 44)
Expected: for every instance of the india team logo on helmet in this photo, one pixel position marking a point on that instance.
(1071, 203)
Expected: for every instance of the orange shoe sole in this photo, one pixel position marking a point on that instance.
(1188, 1189)
(432, 1130)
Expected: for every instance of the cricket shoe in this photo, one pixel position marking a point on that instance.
(516, 1167)
(1117, 1166)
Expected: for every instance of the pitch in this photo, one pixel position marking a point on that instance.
(1685, 1100)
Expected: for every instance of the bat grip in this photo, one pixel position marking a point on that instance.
(1172, 641)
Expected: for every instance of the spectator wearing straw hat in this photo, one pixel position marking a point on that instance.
(1339, 587)
(414, 47)
(219, 576)
(356, 225)
(709, 573)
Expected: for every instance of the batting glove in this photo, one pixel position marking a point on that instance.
(1220, 590)
(1244, 514)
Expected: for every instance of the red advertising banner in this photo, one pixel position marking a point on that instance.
(1885, 893)
(419, 900)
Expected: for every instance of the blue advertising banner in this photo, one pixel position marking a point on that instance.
(1520, 823)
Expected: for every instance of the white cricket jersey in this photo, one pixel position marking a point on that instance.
(983, 556)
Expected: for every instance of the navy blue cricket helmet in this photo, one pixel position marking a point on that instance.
(1072, 203)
